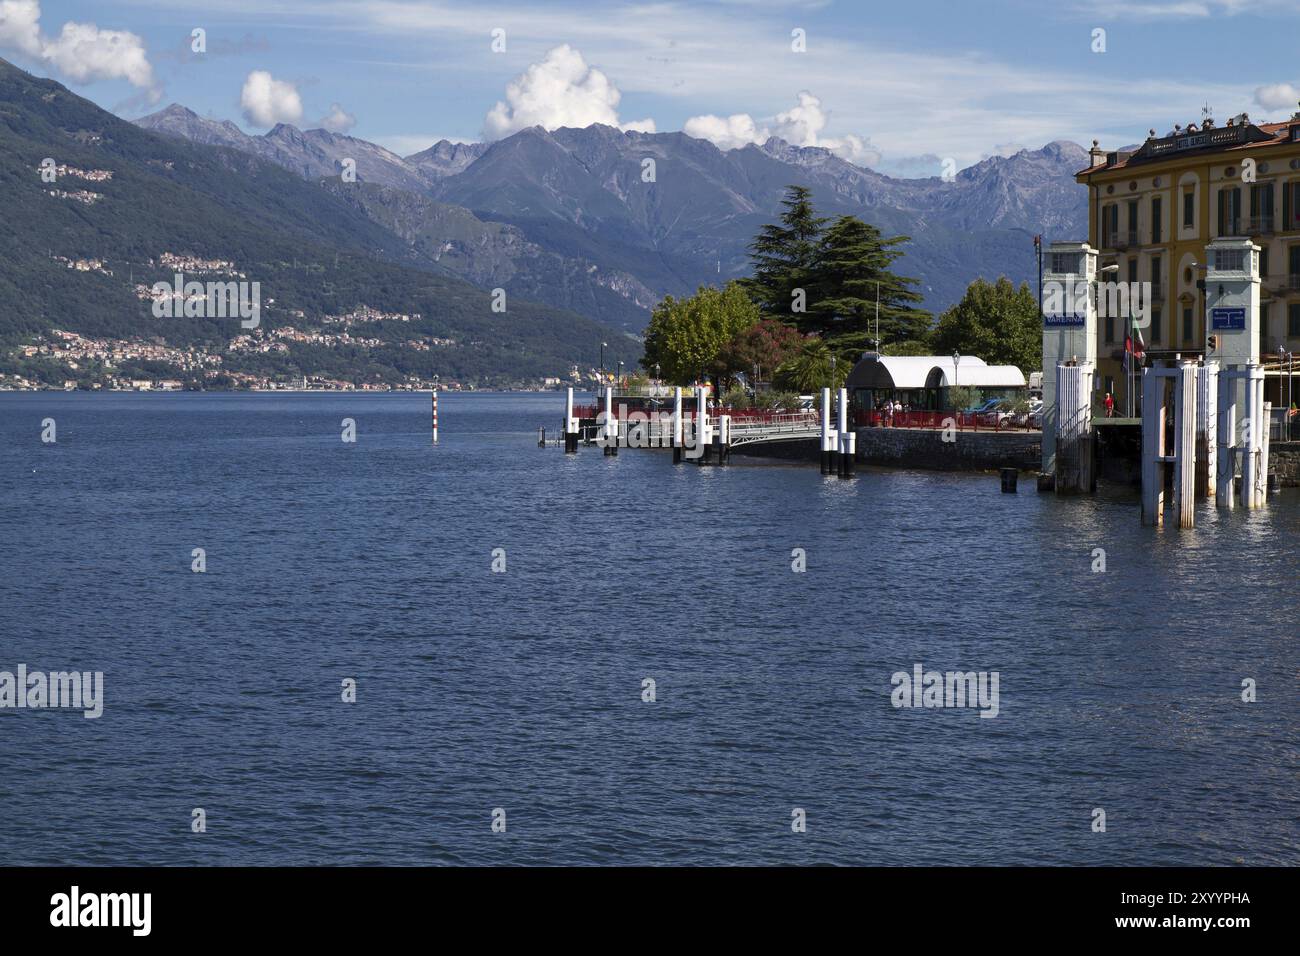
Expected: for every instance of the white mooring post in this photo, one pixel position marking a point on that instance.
(611, 423)
(1156, 454)
(570, 424)
(677, 417)
(1074, 437)
(1185, 442)
(435, 416)
(677, 425)
(724, 438)
(1153, 448)
(1243, 437)
(847, 440)
(1254, 464)
(1263, 453)
(1207, 421)
(702, 437)
(1226, 433)
(828, 438)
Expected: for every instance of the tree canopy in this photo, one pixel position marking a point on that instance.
(995, 321)
(854, 262)
(823, 280)
(687, 337)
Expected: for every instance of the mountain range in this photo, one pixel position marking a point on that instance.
(95, 210)
(578, 219)
(392, 277)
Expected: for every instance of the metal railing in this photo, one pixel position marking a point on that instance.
(1260, 226)
(784, 425)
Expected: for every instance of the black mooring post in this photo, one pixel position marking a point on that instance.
(1009, 476)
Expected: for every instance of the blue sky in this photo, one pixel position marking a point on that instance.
(899, 86)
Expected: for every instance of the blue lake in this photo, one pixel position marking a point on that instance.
(522, 690)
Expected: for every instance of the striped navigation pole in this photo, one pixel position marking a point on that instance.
(570, 425)
(435, 414)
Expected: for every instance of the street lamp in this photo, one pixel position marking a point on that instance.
(956, 361)
(602, 362)
(620, 371)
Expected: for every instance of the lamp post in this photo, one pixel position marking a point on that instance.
(620, 371)
(956, 361)
(1038, 249)
(602, 362)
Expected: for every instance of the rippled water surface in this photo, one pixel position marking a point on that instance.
(1118, 690)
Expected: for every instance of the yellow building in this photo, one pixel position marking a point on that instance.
(1152, 212)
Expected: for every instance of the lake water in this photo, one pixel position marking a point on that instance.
(522, 690)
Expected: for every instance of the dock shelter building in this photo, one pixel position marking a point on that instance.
(923, 382)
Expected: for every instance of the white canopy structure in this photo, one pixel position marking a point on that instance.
(921, 377)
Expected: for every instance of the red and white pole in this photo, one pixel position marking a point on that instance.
(435, 416)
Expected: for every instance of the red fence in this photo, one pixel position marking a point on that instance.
(757, 415)
(988, 421)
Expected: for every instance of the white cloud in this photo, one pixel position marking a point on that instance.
(338, 120)
(922, 97)
(1277, 96)
(267, 101)
(562, 90)
(82, 51)
(731, 132)
(801, 125)
(20, 26)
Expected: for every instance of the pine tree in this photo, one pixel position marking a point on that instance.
(852, 261)
(784, 256)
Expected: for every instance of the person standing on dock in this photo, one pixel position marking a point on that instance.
(1110, 405)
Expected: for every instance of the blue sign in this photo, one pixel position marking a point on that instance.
(1228, 318)
(1061, 320)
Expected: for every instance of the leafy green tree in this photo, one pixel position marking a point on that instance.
(852, 263)
(784, 255)
(686, 337)
(995, 321)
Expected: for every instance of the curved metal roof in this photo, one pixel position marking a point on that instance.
(916, 371)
